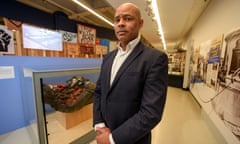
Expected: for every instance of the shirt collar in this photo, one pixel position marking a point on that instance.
(132, 44)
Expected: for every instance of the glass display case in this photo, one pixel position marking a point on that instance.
(176, 64)
(58, 105)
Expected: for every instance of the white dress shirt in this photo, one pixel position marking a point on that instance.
(121, 57)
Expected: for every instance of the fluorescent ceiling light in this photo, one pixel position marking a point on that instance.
(157, 16)
(93, 12)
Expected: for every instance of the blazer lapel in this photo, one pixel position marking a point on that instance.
(109, 68)
(137, 50)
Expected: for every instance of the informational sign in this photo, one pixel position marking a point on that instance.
(214, 61)
(6, 72)
(41, 38)
(208, 61)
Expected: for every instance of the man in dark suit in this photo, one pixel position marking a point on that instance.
(131, 90)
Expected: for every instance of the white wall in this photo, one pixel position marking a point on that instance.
(220, 17)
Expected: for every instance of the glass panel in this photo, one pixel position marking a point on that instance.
(64, 105)
(30, 110)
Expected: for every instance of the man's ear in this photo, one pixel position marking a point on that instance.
(141, 23)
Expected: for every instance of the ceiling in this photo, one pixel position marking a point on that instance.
(177, 16)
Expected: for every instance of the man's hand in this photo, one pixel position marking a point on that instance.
(102, 136)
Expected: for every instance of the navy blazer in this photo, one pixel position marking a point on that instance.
(133, 105)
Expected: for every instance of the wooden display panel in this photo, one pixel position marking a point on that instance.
(69, 120)
(101, 50)
(72, 49)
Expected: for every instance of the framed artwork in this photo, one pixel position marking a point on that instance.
(6, 40)
(86, 35)
(69, 36)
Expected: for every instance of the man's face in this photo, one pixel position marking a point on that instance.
(127, 23)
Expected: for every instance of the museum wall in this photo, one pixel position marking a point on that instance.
(58, 21)
(21, 22)
(211, 77)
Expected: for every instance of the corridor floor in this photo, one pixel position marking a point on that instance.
(182, 122)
